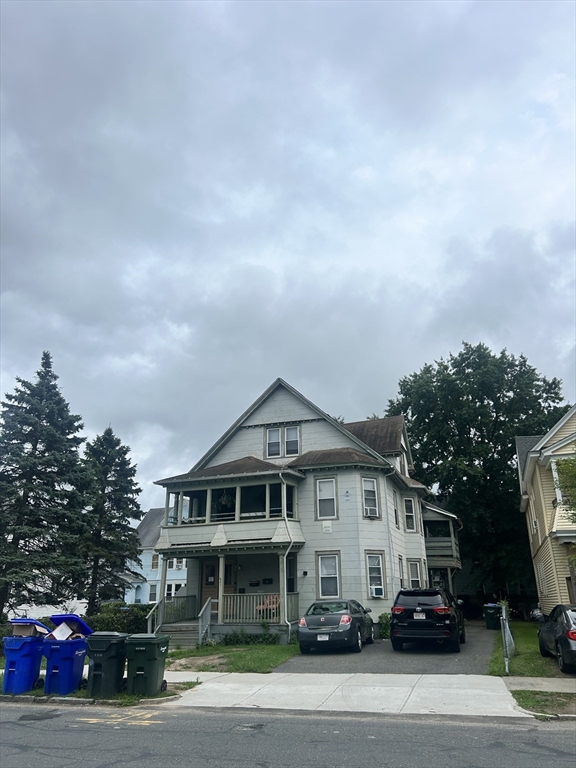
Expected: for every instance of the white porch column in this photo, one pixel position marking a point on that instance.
(238, 501)
(208, 504)
(267, 499)
(221, 567)
(180, 497)
(163, 577)
(167, 507)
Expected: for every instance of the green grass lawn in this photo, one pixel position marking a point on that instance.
(232, 658)
(527, 662)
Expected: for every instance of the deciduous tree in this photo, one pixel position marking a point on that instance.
(462, 416)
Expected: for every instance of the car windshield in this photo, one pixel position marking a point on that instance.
(413, 600)
(327, 607)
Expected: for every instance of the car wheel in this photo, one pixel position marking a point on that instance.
(455, 645)
(397, 645)
(304, 648)
(357, 647)
(543, 651)
(562, 666)
(463, 636)
(370, 638)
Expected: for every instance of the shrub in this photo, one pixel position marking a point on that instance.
(119, 617)
(384, 624)
(241, 637)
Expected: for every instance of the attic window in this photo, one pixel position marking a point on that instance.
(282, 441)
(273, 447)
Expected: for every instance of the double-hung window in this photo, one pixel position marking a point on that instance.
(375, 575)
(326, 496)
(282, 441)
(328, 576)
(414, 574)
(370, 497)
(155, 562)
(153, 592)
(409, 514)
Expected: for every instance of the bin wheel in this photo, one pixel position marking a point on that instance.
(39, 683)
(83, 684)
(164, 686)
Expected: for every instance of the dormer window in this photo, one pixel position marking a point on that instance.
(282, 441)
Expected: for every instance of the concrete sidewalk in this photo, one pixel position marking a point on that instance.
(463, 695)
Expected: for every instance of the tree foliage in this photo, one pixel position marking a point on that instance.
(42, 482)
(462, 416)
(112, 502)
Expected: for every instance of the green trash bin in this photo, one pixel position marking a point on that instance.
(106, 661)
(492, 615)
(146, 655)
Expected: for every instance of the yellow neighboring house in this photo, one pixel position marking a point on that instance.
(551, 529)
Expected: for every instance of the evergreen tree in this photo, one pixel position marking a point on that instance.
(462, 415)
(113, 543)
(42, 481)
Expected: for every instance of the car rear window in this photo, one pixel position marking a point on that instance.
(413, 600)
(572, 615)
(327, 607)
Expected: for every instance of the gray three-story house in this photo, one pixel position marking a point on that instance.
(290, 506)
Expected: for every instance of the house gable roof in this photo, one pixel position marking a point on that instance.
(559, 424)
(382, 435)
(149, 528)
(209, 455)
(338, 457)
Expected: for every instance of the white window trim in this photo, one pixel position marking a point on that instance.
(324, 480)
(377, 507)
(419, 573)
(282, 440)
(401, 570)
(380, 555)
(319, 557)
(412, 514)
(395, 505)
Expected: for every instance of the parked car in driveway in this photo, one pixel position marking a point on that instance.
(557, 636)
(426, 614)
(335, 624)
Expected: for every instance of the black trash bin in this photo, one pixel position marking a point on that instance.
(146, 656)
(106, 662)
(492, 615)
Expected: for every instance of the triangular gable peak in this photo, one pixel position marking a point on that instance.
(279, 404)
(563, 428)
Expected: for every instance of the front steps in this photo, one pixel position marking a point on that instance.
(182, 634)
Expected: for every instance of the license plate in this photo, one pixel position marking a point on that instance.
(322, 637)
(419, 615)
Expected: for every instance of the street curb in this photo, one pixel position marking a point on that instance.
(70, 701)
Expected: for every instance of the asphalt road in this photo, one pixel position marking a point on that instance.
(413, 659)
(153, 737)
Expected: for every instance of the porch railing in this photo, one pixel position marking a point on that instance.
(204, 632)
(154, 617)
(254, 608)
(178, 608)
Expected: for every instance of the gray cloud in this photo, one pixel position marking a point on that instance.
(199, 197)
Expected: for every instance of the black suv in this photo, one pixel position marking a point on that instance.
(426, 614)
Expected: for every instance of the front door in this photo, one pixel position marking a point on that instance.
(210, 573)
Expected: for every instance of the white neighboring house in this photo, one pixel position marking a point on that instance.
(145, 587)
(290, 506)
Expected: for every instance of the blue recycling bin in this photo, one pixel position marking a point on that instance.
(65, 658)
(23, 654)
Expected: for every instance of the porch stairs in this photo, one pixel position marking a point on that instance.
(183, 634)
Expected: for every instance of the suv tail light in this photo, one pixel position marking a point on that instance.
(571, 634)
(441, 609)
(397, 609)
(346, 619)
(302, 622)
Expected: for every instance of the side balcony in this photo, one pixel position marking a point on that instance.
(564, 525)
(443, 552)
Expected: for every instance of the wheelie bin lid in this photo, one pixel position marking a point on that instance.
(28, 627)
(74, 622)
(143, 637)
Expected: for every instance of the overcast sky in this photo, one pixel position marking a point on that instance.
(199, 197)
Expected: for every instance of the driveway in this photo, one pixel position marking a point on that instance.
(414, 659)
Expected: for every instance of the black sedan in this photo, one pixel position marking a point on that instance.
(557, 636)
(335, 624)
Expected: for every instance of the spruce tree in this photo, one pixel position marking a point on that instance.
(42, 481)
(113, 502)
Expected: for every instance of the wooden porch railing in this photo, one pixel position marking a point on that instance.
(204, 622)
(254, 608)
(178, 608)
